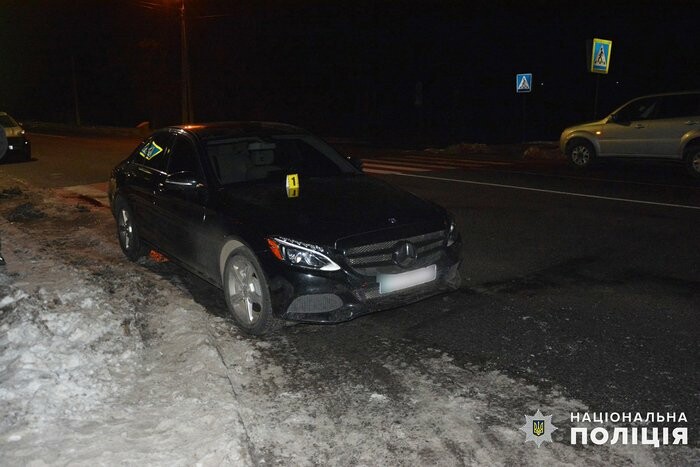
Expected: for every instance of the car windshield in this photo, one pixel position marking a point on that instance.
(256, 160)
(7, 122)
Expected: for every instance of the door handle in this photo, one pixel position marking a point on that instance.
(691, 122)
(639, 126)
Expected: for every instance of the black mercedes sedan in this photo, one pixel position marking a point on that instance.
(287, 227)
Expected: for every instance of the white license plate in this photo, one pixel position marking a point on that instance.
(392, 282)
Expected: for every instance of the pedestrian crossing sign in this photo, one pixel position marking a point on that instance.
(600, 56)
(523, 82)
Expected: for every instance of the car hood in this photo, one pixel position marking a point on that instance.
(588, 126)
(13, 131)
(328, 209)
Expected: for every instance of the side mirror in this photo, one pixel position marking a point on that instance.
(183, 181)
(357, 163)
(615, 118)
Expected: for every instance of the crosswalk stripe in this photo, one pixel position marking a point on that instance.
(378, 171)
(451, 160)
(411, 163)
(399, 167)
(404, 163)
(428, 162)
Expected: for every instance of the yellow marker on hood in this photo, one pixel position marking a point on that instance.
(292, 185)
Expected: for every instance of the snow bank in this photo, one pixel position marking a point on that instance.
(103, 362)
(64, 355)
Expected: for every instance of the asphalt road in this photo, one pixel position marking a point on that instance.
(60, 160)
(587, 283)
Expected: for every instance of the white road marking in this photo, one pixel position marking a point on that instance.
(377, 171)
(395, 167)
(417, 164)
(454, 160)
(555, 192)
(454, 163)
(495, 166)
(405, 163)
(597, 179)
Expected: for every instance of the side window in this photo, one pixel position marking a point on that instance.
(183, 157)
(153, 150)
(687, 105)
(641, 109)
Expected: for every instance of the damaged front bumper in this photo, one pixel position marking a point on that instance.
(316, 297)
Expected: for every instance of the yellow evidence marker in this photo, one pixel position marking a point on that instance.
(292, 185)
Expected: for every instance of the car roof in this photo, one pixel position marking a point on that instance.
(218, 130)
(12, 119)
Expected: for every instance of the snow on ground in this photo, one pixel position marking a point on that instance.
(81, 379)
(108, 362)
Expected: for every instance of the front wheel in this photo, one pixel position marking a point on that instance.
(127, 232)
(247, 293)
(581, 153)
(692, 160)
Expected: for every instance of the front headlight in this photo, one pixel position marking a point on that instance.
(452, 233)
(301, 254)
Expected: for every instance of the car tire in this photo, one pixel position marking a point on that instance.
(692, 160)
(580, 153)
(247, 293)
(127, 232)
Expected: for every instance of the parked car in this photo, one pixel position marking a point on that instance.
(286, 226)
(17, 142)
(663, 126)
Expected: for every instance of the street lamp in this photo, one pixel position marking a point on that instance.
(187, 113)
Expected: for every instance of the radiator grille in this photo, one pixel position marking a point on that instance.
(378, 257)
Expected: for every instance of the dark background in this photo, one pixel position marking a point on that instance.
(346, 68)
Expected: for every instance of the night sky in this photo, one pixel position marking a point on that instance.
(348, 68)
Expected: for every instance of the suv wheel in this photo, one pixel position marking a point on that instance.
(581, 153)
(692, 160)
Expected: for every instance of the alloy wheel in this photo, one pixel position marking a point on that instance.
(126, 229)
(580, 155)
(695, 162)
(245, 292)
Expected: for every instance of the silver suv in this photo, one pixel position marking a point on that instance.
(663, 126)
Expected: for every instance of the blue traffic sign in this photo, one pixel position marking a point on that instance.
(600, 57)
(523, 82)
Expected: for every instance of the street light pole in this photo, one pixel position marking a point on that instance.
(187, 113)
